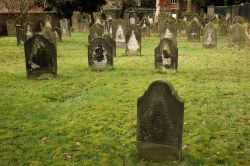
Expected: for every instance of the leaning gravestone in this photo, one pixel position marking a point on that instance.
(119, 33)
(95, 31)
(166, 55)
(20, 35)
(210, 36)
(145, 27)
(133, 41)
(193, 31)
(237, 36)
(64, 26)
(100, 54)
(160, 116)
(40, 56)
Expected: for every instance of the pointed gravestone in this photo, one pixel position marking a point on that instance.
(95, 31)
(100, 54)
(145, 27)
(237, 36)
(209, 36)
(166, 55)
(160, 116)
(119, 33)
(133, 41)
(40, 56)
(193, 31)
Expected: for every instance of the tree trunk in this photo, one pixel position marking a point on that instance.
(189, 6)
(158, 10)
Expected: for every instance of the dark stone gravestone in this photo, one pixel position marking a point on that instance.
(95, 31)
(237, 36)
(109, 26)
(210, 36)
(222, 31)
(145, 27)
(168, 30)
(75, 20)
(29, 30)
(119, 32)
(58, 33)
(100, 54)
(40, 56)
(160, 117)
(193, 31)
(166, 55)
(112, 42)
(11, 27)
(84, 25)
(48, 21)
(133, 41)
(20, 38)
(49, 34)
(64, 24)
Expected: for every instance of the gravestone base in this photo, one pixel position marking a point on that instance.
(158, 152)
(120, 45)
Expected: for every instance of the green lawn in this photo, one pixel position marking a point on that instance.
(85, 117)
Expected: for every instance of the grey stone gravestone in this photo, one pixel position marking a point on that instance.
(132, 18)
(20, 35)
(112, 42)
(160, 116)
(133, 41)
(95, 31)
(237, 36)
(210, 36)
(64, 26)
(154, 30)
(84, 25)
(11, 27)
(168, 30)
(100, 54)
(40, 56)
(119, 33)
(29, 30)
(145, 27)
(98, 18)
(222, 31)
(109, 26)
(166, 55)
(49, 34)
(193, 31)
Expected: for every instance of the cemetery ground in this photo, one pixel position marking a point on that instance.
(87, 117)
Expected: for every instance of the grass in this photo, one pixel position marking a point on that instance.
(84, 117)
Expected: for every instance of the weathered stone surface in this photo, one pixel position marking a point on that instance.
(193, 31)
(40, 56)
(48, 21)
(182, 26)
(95, 31)
(11, 27)
(109, 26)
(112, 42)
(210, 36)
(100, 54)
(84, 25)
(222, 31)
(238, 19)
(64, 24)
(75, 20)
(166, 55)
(133, 41)
(29, 30)
(119, 32)
(168, 30)
(20, 35)
(145, 27)
(160, 115)
(237, 36)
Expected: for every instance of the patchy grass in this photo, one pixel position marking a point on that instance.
(84, 117)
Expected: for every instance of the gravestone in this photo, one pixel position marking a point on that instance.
(49, 34)
(166, 55)
(132, 18)
(109, 26)
(64, 24)
(133, 41)
(40, 56)
(193, 31)
(210, 10)
(20, 35)
(11, 27)
(182, 25)
(112, 42)
(168, 30)
(222, 31)
(238, 19)
(119, 33)
(29, 30)
(75, 20)
(58, 33)
(210, 36)
(48, 21)
(95, 31)
(100, 54)
(154, 30)
(237, 36)
(98, 18)
(160, 116)
(84, 25)
(145, 27)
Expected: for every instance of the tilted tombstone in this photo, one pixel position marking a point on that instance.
(193, 31)
(20, 38)
(160, 118)
(11, 27)
(119, 32)
(145, 27)
(100, 54)
(112, 42)
(48, 21)
(210, 36)
(168, 30)
(84, 25)
(237, 36)
(40, 56)
(133, 41)
(64, 26)
(166, 55)
(75, 20)
(95, 31)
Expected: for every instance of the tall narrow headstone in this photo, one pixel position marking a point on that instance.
(133, 41)
(160, 116)
(145, 27)
(64, 26)
(119, 32)
(209, 36)
(193, 31)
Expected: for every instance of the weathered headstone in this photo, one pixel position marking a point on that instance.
(182, 25)
(238, 19)
(58, 33)
(20, 35)
(11, 27)
(49, 34)
(210, 36)
(75, 20)
(193, 31)
(160, 118)
(112, 42)
(119, 33)
(133, 41)
(145, 27)
(40, 56)
(166, 55)
(222, 31)
(109, 26)
(29, 30)
(48, 21)
(168, 30)
(95, 31)
(100, 54)
(64, 26)
(84, 25)
(237, 36)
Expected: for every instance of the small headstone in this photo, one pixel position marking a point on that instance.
(238, 19)
(145, 27)
(210, 36)
(132, 20)
(40, 56)
(160, 116)
(11, 27)
(166, 55)
(29, 30)
(95, 31)
(20, 35)
(182, 25)
(133, 41)
(49, 34)
(100, 54)
(237, 36)
(64, 26)
(223, 30)
(119, 33)
(193, 31)
(75, 20)
(109, 26)
(84, 25)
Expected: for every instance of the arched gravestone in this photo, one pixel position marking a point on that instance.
(100, 54)
(145, 27)
(119, 32)
(166, 55)
(237, 36)
(95, 31)
(193, 31)
(210, 36)
(20, 38)
(160, 116)
(168, 30)
(133, 41)
(83, 25)
(40, 56)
